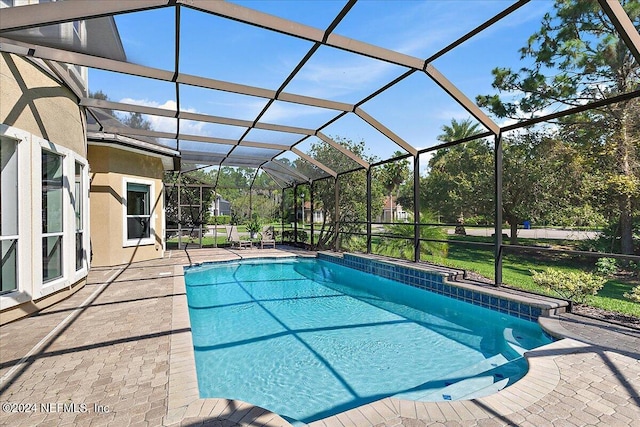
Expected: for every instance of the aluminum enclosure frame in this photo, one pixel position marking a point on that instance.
(32, 16)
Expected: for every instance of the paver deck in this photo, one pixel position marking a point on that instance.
(118, 353)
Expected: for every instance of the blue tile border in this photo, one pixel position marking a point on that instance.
(436, 282)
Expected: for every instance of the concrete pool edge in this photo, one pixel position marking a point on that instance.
(184, 401)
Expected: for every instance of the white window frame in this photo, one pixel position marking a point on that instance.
(25, 288)
(65, 199)
(69, 273)
(30, 284)
(14, 237)
(78, 189)
(86, 238)
(151, 240)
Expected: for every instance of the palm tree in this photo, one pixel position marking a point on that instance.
(393, 175)
(456, 131)
(459, 130)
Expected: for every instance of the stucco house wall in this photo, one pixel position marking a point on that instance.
(111, 168)
(39, 115)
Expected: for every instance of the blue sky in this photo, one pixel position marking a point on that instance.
(415, 109)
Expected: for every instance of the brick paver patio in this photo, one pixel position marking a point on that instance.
(118, 353)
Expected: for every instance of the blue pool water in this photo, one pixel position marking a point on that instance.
(307, 338)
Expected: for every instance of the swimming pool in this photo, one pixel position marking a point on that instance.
(306, 338)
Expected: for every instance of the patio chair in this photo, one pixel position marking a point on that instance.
(234, 238)
(266, 237)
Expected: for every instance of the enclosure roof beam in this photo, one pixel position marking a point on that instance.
(286, 129)
(123, 130)
(263, 20)
(130, 108)
(314, 162)
(34, 15)
(259, 159)
(343, 150)
(193, 169)
(264, 145)
(280, 91)
(197, 138)
(273, 178)
(82, 59)
(288, 169)
(200, 157)
(314, 102)
(186, 115)
(295, 29)
(512, 8)
(385, 131)
(221, 155)
(462, 99)
(282, 176)
(288, 180)
(63, 74)
(574, 110)
(163, 112)
(623, 24)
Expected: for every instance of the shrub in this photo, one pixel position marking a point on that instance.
(574, 286)
(352, 243)
(634, 268)
(606, 266)
(253, 226)
(288, 236)
(478, 220)
(220, 219)
(634, 295)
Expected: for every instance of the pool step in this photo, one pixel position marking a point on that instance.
(486, 391)
(472, 379)
(519, 341)
(458, 390)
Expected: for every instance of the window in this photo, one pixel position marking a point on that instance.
(8, 215)
(52, 216)
(44, 229)
(138, 213)
(77, 207)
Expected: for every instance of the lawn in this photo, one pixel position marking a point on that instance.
(516, 272)
(207, 241)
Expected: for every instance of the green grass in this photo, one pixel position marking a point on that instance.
(207, 241)
(516, 273)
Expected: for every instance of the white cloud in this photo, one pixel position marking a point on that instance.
(333, 79)
(280, 111)
(521, 116)
(168, 124)
(168, 105)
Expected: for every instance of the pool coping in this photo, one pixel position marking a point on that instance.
(184, 400)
